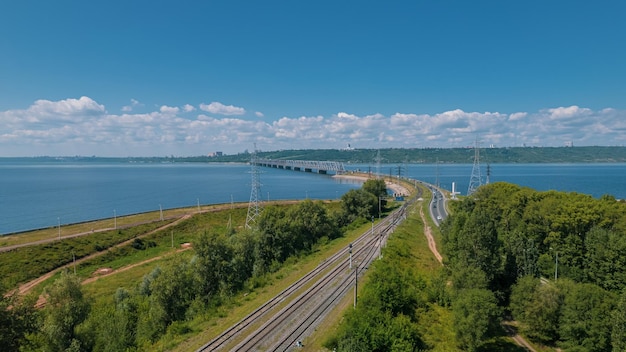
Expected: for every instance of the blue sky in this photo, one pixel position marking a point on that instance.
(118, 78)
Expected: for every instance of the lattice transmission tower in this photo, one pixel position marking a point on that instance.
(476, 179)
(254, 206)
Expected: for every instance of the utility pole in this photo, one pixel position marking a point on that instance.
(114, 220)
(161, 211)
(230, 214)
(556, 264)
(59, 226)
(380, 246)
(350, 256)
(556, 267)
(356, 283)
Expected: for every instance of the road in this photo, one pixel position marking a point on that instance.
(437, 205)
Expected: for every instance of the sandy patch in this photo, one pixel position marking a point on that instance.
(397, 188)
(103, 271)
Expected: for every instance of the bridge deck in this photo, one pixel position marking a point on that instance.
(321, 167)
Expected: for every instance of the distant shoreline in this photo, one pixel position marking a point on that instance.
(459, 155)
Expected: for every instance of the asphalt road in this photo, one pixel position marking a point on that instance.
(437, 205)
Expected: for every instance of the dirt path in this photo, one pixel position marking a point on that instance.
(128, 267)
(431, 240)
(27, 287)
(512, 332)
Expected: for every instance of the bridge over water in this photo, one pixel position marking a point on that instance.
(321, 167)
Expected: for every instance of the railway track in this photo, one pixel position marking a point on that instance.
(294, 313)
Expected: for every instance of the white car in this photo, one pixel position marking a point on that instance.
(439, 218)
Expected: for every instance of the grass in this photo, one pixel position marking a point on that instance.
(52, 232)
(27, 263)
(246, 302)
(30, 262)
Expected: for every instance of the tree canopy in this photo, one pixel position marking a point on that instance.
(573, 242)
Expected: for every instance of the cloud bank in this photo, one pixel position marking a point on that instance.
(84, 127)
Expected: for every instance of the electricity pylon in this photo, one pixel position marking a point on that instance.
(476, 179)
(254, 206)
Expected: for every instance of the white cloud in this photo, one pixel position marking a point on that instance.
(188, 108)
(517, 116)
(567, 112)
(133, 103)
(343, 115)
(259, 114)
(83, 126)
(169, 110)
(67, 107)
(221, 109)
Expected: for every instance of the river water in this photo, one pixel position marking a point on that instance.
(37, 194)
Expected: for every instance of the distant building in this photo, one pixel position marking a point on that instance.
(569, 144)
(214, 154)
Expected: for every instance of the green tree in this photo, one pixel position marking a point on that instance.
(17, 319)
(521, 297)
(243, 260)
(468, 277)
(605, 258)
(584, 322)
(276, 242)
(212, 265)
(536, 306)
(173, 291)
(358, 203)
(66, 308)
(309, 221)
(542, 313)
(476, 315)
(378, 188)
(109, 329)
(618, 334)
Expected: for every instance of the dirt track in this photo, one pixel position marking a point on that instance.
(429, 235)
(25, 288)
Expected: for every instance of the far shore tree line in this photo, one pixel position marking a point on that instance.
(364, 155)
(188, 288)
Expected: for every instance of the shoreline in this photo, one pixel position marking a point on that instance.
(397, 189)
